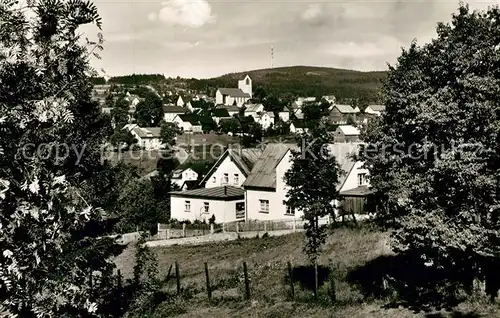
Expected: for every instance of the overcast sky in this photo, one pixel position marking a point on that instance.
(207, 38)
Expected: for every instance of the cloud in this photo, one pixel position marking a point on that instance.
(380, 46)
(357, 34)
(186, 13)
(152, 16)
(313, 14)
(181, 45)
(121, 38)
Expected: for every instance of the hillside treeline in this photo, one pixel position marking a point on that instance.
(137, 79)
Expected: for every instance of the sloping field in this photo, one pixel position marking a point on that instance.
(267, 259)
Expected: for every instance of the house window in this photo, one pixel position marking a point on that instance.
(264, 206)
(226, 178)
(236, 178)
(240, 210)
(206, 207)
(248, 81)
(361, 179)
(187, 206)
(289, 210)
(214, 179)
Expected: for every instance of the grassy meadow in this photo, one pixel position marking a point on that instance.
(266, 258)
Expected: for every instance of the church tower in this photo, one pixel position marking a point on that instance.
(246, 85)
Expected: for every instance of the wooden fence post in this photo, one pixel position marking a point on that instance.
(294, 226)
(237, 227)
(316, 279)
(178, 278)
(209, 291)
(168, 234)
(265, 227)
(332, 282)
(183, 229)
(224, 227)
(290, 275)
(247, 285)
(168, 274)
(211, 228)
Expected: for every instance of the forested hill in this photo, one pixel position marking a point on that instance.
(137, 79)
(306, 81)
(295, 80)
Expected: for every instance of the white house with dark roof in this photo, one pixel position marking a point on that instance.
(284, 115)
(188, 123)
(301, 100)
(219, 114)
(226, 203)
(265, 119)
(148, 138)
(184, 102)
(329, 98)
(180, 102)
(375, 109)
(354, 182)
(298, 126)
(238, 96)
(265, 187)
(232, 168)
(133, 99)
(253, 110)
(232, 109)
(355, 175)
(180, 176)
(169, 112)
(295, 110)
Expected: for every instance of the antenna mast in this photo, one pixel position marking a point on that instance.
(272, 56)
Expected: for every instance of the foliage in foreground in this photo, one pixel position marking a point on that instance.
(434, 156)
(143, 204)
(51, 177)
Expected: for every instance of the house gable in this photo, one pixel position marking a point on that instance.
(351, 179)
(233, 161)
(180, 102)
(263, 174)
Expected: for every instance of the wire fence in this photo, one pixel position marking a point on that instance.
(264, 226)
(176, 229)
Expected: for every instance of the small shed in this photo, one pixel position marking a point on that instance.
(355, 201)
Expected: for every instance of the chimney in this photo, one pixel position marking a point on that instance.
(225, 190)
